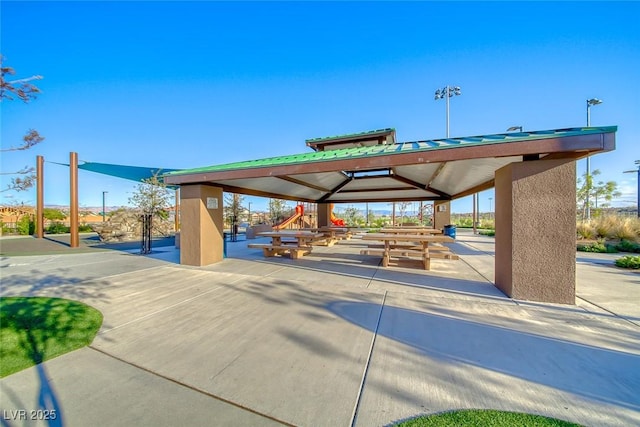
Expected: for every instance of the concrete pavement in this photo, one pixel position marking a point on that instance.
(330, 339)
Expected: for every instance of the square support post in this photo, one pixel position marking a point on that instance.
(324, 214)
(201, 225)
(441, 214)
(536, 230)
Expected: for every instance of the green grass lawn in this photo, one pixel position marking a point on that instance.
(35, 329)
(484, 418)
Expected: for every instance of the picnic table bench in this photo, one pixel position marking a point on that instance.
(294, 243)
(421, 246)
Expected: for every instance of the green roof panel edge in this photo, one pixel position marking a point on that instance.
(377, 150)
(350, 135)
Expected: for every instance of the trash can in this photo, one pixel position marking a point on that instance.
(224, 244)
(450, 230)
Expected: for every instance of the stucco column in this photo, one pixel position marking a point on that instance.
(324, 214)
(441, 214)
(536, 230)
(201, 225)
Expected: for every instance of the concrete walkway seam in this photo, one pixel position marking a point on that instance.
(472, 267)
(609, 311)
(161, 310)
(198, 390)
(354, 416)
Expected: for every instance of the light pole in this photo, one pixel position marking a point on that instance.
(249, 214)
(590, 103)
(490, 207)
(637, 162)
(367, 213)
(446, 93)
(514, 128)
(104, 205)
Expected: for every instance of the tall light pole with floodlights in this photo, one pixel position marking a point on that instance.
(590, 102)
(637, 162)
(446, 93)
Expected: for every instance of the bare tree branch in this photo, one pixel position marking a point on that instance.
(31, 138)
(20, 88)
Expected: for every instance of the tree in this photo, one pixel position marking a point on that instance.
(152, 197)
(277, 208)
(605, 192)
(402, 208)
(352, 216)
(602, 191)
(25, 91)
(53, 214)
(233, 206)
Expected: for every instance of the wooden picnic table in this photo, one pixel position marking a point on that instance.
(332, 234)
(409, 245)
(294, 242)
(410, 230)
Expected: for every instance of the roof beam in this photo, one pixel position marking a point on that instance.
(435, 174)
(335, 190)
(484, 186)
(369, 190)
(428, 188)
(385, 200)
(250, 192)
(303, 183)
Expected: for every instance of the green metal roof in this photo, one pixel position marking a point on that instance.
(350, 135)
(398, 148)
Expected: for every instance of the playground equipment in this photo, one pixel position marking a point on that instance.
(291, 220)
(335, 220)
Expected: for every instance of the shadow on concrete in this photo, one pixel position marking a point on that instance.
(61, 244)
(368, 269)
(605, 375)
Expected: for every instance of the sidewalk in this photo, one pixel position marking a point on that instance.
(330, 339)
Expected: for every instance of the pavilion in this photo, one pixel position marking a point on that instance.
(533, 172)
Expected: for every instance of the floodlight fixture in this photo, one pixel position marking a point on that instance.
(513, 128)
(446, 93)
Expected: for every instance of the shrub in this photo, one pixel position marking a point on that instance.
(606, 226)
(627, 246)
(487, 224)
(597, 247)
(627, 229)
(463, 222)
(85, 228)
(57, 228)
(585, 230)
(487, 232)
(629, 261)
(25, 225)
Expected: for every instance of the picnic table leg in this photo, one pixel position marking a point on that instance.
(385, 256)
(426, 259)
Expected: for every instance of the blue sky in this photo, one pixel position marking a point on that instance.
(190, 84)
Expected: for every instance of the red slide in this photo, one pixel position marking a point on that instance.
(284, 224)
(335, 220)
